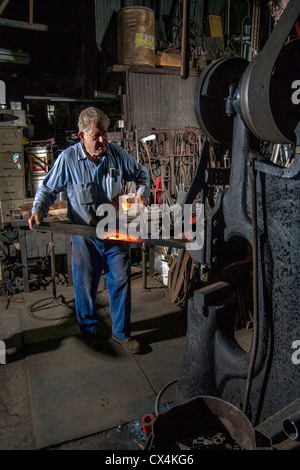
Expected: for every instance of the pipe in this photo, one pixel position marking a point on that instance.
(228, 20)
(110, 95)
(275, 153)
(242, 34)
(185, 40)
(291, 426)
(147, 422)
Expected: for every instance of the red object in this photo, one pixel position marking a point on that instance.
(147, 421)
(158, 193)
(188, 234)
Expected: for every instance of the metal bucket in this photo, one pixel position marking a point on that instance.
(38, 158)
(204, 422)
(136, 36)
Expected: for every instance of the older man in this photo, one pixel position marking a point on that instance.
(92, 172)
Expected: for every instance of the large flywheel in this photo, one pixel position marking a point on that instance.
(268, 94)
(212, 91)
(264, 92)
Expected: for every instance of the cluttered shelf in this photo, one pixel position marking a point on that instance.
(57, 212)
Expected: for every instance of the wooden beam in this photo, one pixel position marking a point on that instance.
(181, 277)
(30, 11)
(23, 25)
(3, 5)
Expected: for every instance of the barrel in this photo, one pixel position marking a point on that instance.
(35, 182)
(38, 157)
(136, 36)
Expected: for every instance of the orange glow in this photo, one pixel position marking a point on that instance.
(122, 236)
(127, 201)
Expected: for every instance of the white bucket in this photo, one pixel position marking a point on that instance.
(35, 183)
(165, 268)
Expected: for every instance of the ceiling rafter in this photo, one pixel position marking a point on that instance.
(21, 24)
(3, 5)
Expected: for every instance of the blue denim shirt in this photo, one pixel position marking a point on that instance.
(88, 184)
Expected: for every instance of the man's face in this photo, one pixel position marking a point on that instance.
(94, 141)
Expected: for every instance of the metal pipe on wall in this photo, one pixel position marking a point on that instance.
(185, 40)
(228, 20)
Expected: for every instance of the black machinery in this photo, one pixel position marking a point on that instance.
(241, 106)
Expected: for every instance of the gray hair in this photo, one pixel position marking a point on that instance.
(89, 115)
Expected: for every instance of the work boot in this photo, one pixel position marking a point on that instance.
(131, 345)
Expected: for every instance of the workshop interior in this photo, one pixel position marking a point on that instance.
(206, 95)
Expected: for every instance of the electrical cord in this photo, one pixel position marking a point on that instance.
(160, 393)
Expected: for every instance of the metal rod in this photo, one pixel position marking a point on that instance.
(275, 153)
(185, 40)
(46, 303)
(88, 231)
(144, 262)
(228, 20)
(51, 244)
(101, 95)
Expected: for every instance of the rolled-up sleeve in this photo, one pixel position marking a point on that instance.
(54, 183)
(134, 171)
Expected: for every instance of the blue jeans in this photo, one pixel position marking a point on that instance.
(91, 256)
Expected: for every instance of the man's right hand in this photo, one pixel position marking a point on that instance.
(36, 218)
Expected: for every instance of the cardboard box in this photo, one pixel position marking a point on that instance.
(171, 58)
(213, 26)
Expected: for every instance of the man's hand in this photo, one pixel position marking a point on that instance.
(140, 199)
(36, 218)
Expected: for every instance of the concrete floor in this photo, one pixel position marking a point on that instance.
(57, 394)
